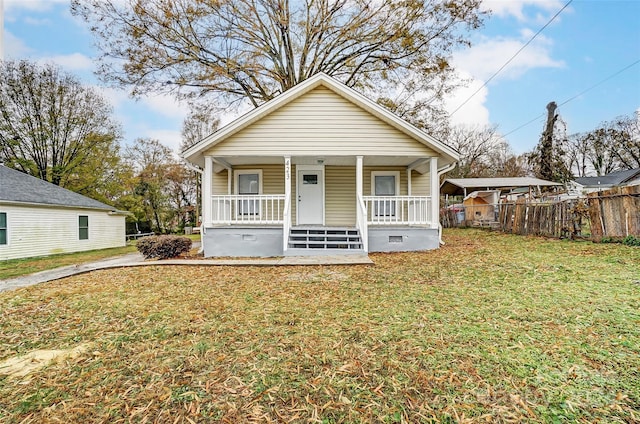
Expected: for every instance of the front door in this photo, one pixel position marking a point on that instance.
(310, 187)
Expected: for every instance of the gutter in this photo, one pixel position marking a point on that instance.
(441, 171)
(194, 167)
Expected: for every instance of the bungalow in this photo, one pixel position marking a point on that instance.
(38, 218)
(320, 169)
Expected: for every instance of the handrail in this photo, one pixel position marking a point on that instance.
(362, 223)
(286, 224)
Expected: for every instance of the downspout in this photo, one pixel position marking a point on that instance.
(441, 171)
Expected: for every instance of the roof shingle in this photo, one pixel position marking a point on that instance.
(16, 186)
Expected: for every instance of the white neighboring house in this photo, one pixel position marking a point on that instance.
(318, 170)
(585, 185)
(38, 218)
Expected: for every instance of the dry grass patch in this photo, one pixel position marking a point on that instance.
(490, 328)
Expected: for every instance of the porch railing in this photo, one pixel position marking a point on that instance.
(248, 209)
(362, 223)
(398, 210)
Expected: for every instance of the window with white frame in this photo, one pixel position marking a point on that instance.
(248, 183)
(3, 229)
(385, 184)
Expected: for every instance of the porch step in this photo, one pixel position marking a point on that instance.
(323, 238)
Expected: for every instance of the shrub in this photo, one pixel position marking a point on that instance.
(163, 247)
(631, 241)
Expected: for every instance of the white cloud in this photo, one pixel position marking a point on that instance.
(485, 58)
(516, 8)
(14, 47)
(474, 111)
(166, 105)
(29, 20)
(33, 5)
(71, 62)
(169, 138)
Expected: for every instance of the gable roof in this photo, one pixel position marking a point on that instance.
(458, 185)
(16, 186)
(194, 153)
(611, 179)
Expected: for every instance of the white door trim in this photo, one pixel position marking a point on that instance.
(309, 168)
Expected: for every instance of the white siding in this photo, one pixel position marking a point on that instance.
(39, 231)
(320, 123)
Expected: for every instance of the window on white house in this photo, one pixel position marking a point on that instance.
(3, 228)
(248, 184)
(83, 227)
(385, 184)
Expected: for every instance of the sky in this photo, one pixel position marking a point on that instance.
(587, 60)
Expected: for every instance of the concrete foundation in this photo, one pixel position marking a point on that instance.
(402, 239)
(242, 241)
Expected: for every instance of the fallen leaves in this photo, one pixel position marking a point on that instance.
(485, 329)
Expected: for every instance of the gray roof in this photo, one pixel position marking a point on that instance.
(458, 185)
(611, 179)
(16, 186)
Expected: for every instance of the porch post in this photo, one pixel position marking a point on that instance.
(359, 173)
(435, 192)
(287, 203)
(206, 190)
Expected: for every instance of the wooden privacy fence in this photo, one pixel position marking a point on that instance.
(605, 214)
(615, 213)
(555, 219)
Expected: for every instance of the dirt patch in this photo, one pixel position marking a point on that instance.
(20, 366)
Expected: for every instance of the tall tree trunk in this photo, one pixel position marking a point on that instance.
(546, 153)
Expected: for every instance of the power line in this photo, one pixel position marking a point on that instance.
(577, 95)
(512, 57)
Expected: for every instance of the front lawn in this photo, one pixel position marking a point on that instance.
(18, 267)
(490, 328)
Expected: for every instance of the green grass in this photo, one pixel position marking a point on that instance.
(490, 328)
(18, 267)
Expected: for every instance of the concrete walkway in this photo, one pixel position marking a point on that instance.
(136, 259)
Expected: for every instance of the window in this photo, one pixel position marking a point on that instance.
(385, 184)
(249, 183)
(83, 227)
(3, 228)
(310, 179)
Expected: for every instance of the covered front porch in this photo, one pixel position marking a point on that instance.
(310, 205)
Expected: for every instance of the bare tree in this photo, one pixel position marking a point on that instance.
(238, 51)
(201, 122)
(612, 146)
(53, 127)
(475, 145)
(627, 140)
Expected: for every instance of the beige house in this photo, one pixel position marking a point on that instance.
(320, 169)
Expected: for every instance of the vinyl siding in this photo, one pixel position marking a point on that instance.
(41, 231)
(320, 123)
(420, 184)
(219, 183)
(340, 196)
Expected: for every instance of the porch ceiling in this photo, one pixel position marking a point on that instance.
(318, 160)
